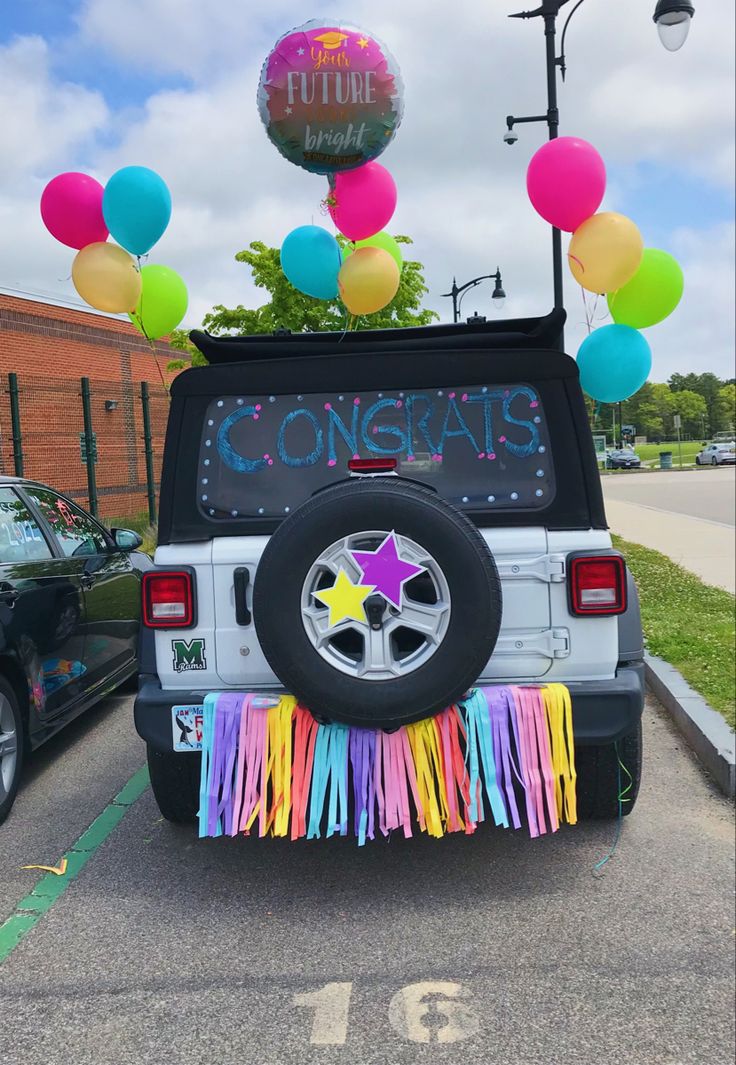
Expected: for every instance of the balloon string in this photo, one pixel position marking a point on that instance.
(150, 340)
(346, 326)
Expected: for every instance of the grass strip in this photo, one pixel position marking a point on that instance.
(688, 623)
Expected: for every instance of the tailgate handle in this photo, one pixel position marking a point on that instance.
(241, 580)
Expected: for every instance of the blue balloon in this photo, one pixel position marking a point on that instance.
(614, 362)
(136, 206)
(311, 260)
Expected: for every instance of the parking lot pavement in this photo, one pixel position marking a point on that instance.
(491, 949)
(687, 516)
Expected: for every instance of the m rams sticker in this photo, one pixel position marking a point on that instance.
(188, 654)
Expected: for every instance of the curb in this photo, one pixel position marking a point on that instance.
(713, 741)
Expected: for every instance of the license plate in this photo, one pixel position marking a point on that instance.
(186, 728)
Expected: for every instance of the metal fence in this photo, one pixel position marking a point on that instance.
(99, 442)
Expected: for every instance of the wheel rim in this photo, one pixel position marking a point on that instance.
(8, 747)
(401, 639)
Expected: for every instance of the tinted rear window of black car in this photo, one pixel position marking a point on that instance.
(481, 447)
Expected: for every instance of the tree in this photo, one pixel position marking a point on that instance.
(692, 409)
(290, 309)
(726, 408)
(651, 411)
(706, 385)
(648, 410)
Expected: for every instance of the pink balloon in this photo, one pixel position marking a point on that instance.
(566, 180)
(364, 201)
(71, 209)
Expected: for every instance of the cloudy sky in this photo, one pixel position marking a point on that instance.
(94, 85)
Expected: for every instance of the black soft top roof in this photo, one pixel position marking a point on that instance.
(486, 353)
(511, 333)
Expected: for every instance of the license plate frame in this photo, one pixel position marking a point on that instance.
(186, 728)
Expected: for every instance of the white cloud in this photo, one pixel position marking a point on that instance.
(42, 121)
(462, 193)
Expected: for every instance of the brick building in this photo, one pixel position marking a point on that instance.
(50, 348)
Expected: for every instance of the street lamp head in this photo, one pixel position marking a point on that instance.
(499, 296)
(673, 18)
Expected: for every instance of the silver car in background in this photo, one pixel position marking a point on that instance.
(717, 455)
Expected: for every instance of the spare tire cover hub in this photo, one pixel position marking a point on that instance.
(388, 612)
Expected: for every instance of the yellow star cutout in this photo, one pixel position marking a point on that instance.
(345, 599)
(362, 43)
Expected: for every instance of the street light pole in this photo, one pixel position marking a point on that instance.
(459, 291)
(549, 10)
(672, 17)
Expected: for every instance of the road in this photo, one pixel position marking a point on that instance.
(688, 515)
(707, 494)
(492, 949)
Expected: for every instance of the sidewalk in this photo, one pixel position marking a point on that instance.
(703, 547)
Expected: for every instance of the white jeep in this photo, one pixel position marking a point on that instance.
(463, 453)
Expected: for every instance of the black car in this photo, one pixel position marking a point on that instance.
(69, 616)
(622, 459)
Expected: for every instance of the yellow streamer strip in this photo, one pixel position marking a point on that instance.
(558, 708)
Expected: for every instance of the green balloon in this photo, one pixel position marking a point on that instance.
(651, 295)
(378, 240)
(162, 304)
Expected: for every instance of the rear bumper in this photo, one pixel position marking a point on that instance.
(603, 710)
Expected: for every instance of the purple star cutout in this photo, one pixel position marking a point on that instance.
(385, 570)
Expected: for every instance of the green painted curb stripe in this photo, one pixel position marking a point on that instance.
(30, 910)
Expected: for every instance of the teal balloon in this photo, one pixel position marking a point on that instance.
(614, 362)
(136, 206)
(311, 260)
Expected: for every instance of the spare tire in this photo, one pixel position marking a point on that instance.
(377, 603)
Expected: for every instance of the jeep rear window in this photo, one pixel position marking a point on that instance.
(478, 446)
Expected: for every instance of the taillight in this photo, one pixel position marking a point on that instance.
(372, 465)
(597, 585)
(168, 599)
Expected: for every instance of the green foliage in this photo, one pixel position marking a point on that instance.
(652, 409)
(726, 408)
(289, 309)
(709, 387)
(191, 356)
(686, 622)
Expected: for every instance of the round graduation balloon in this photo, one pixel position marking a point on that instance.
(106, 277)
(311, 260)
(605, 252)
(162, 303)
(652, 294)
(614, 362)
(378, 240)
(136, 205)
(330, 97)
(368, 280)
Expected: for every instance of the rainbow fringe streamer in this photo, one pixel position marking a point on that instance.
(280, 771)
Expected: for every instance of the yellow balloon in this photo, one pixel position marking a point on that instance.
(605, 252)
(106, 277)
(368, 280)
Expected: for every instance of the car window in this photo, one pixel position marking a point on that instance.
(21, 540)
(263, 455)
(76, 532)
